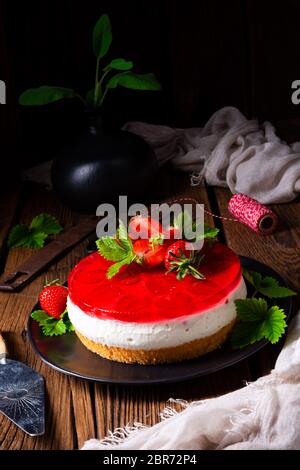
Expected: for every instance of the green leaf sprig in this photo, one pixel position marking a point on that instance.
(105, 80)
(257, 319)
(35, 234)
(53, 326)
(183, 220)
(119, 250)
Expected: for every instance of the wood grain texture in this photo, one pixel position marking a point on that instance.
(281, 251)
(77, 410)
(8, 213)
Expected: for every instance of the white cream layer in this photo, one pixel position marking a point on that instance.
(165, 334)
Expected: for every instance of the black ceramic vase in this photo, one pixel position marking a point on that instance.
(98, 167)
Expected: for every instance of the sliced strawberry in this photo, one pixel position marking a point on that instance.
(148, 253)
(53, 300)
(180, 259)
(144, 227)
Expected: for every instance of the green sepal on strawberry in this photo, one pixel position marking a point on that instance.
(53, 317)
(182, 261)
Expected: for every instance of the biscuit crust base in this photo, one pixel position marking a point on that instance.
(190, 350)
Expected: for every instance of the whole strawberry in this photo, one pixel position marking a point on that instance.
(53, 300)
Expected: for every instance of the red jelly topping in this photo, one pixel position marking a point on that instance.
(144, 295)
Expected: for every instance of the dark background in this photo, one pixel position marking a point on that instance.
(206, 53)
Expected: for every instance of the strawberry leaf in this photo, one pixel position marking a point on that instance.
(65, 317)
(36, 240)
(210, 232)
(18, 236)
(268, 285)
(251, 309)
(34, 235)
(246, 333)
(274, 325)
(54, 328)
(45, 223)
(40, 316)
(115, 268)
(256, 322)
(123, 237)
(119, 250)
(110, 249)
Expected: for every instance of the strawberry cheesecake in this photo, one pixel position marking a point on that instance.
(148, 316)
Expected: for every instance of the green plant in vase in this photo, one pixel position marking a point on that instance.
(118, 72)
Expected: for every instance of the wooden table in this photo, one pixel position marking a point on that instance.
(77, 410)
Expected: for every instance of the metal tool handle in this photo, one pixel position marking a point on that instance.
(3, 350)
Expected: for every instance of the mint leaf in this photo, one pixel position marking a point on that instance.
(274, 325)
(45, 223)
(257, 321)
(18, 236)
(54, 328)
(268, 285)
(110, 249)
(249, 310)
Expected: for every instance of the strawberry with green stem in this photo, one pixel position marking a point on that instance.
(180, 259)
(53, 316)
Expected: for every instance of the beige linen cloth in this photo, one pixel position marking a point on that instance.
(263, 415)
(230, 151)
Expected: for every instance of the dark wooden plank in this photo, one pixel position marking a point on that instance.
(281, 251)
(67, 425)
(8, 212)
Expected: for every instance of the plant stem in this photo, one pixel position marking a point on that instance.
(98, 88)
(96, 83)
(103, 96)
(103, 76)
(81, 99)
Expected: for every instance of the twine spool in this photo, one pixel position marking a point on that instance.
(245, 210)
(253, 214)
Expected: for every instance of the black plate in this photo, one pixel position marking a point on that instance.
(68, 355)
